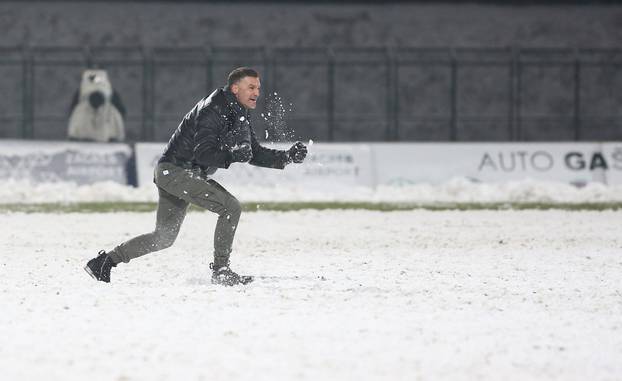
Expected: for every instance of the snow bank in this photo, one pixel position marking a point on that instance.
(456, 190)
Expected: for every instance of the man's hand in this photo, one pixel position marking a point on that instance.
(242, 153)
(298, 152)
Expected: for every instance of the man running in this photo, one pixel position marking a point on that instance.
(214, 134)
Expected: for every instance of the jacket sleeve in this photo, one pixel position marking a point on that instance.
(209, 150)
(266, 157)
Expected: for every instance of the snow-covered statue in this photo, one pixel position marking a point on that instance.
(96, 111)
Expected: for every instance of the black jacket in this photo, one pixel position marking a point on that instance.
(206, 134)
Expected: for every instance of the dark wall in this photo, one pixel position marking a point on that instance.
(423, 97)
(192, 24)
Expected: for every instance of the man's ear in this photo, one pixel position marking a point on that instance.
(235, 88)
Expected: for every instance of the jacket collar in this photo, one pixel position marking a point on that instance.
(233, 102)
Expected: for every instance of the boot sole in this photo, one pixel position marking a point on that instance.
(90, 272)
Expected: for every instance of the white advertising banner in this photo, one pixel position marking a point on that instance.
(147, 156)
(412, 163)
(612, 161)
(327, 164)
(333, 165)
(80, 163)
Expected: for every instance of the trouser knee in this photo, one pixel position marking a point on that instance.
(233, 209)
(164, 240)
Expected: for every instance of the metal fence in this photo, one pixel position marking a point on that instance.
(336, 94)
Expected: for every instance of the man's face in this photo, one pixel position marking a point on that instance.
(246, 90)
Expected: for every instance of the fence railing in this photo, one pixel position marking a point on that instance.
(374, 94)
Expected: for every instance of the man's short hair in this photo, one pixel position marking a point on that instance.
(240, 73)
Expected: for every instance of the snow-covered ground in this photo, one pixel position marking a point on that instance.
(341, 295)
(456, 190)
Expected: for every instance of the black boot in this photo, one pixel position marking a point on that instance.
(224, 276)
(99, 267)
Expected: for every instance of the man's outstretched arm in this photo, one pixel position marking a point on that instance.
(272, 158)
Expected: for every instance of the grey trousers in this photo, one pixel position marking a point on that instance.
(179, 187)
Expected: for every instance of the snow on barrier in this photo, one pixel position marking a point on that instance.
(52, 162)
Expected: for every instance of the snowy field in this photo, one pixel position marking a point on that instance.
(340, 295)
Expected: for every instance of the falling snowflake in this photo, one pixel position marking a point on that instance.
(274, 117)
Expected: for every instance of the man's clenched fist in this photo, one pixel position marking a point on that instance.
(298, 152)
